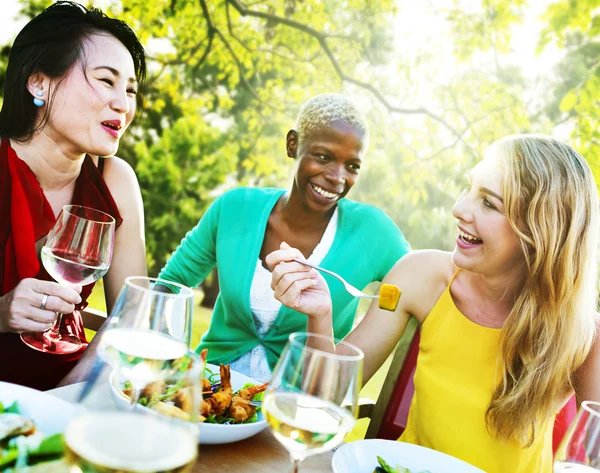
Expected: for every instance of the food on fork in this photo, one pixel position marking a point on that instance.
(389, 295)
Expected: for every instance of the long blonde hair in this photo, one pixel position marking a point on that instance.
(551, 202)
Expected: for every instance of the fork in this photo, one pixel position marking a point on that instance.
(349, 287)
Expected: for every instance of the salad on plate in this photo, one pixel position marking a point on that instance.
(221, 403)
(383, 467)
(22, 445)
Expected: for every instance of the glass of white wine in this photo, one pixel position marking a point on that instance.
(159, 436)
(579, 451)
(149, 330)
(312, 399)
(77, 251)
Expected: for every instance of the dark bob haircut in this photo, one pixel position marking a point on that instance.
(51, 43)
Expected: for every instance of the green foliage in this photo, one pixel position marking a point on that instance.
(575, 26)
(484, 29)
(178, 175)
(227, 78)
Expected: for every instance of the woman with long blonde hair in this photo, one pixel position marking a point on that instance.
(509, 319)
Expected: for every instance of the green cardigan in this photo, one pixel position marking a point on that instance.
(230, 235)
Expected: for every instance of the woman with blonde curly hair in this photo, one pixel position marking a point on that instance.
(509, 319)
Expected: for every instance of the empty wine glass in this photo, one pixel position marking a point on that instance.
(312, 399)
(149, 330)
(78, 251)
(579, 451)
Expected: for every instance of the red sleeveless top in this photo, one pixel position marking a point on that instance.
(25, 218)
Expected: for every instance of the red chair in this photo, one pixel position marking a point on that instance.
(390, 413)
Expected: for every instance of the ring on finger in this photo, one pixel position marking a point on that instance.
(44, 302)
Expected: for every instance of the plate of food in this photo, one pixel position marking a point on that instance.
(389, 456)
(230, 410)
(31, 427)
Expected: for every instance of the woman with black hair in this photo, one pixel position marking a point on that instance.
(70, 93)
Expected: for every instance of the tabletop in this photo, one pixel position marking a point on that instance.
(258, 454)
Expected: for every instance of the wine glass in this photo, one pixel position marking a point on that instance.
(579, 451)
(149, 330)
(161, 436)
(78, 251)
(312, 399)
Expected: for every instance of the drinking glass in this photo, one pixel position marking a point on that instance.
(161, 436)
(149, 330)
(78, 251)
(312, 399)
(579, 451)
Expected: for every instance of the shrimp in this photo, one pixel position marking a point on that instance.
(153, 390)
(206, 408)
(221, 400)
(183, 399)
(240, 409)
(203, 354)
(206, 386)
(251, 391)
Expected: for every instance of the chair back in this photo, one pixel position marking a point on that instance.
(390, 413)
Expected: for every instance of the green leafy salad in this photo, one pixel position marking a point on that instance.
(220, 404)
(383, 467)
(21, 445)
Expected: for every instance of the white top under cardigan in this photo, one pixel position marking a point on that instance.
(265, 307)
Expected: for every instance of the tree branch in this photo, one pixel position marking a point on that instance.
(213, 30)
(231, 33)
(210, 33)
(261, 50)
(322, 40)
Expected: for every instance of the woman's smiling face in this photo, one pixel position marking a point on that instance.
(327, 164)
(96, 101)
(486, 242)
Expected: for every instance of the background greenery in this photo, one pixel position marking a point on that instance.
(227, 79)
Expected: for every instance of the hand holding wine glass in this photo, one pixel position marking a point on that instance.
(77, 252)
(312, 399)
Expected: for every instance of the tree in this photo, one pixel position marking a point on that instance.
(575, 26)
(227, 79)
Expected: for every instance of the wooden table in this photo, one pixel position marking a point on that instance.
(258, 454)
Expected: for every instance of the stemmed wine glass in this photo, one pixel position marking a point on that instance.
(312, 399)
(149, 330)
(78, 251)
(161, 437)
(579, 451)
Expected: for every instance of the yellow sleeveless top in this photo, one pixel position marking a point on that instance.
(454, 380)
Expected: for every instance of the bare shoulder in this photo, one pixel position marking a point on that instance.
(422, 276)
(125, 190)
(121, 181)
(118, 171)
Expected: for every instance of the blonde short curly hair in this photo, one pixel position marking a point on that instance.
(324, 109)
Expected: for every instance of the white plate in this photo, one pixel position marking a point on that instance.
(213, 433)
(361, 457)
(50, 414)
